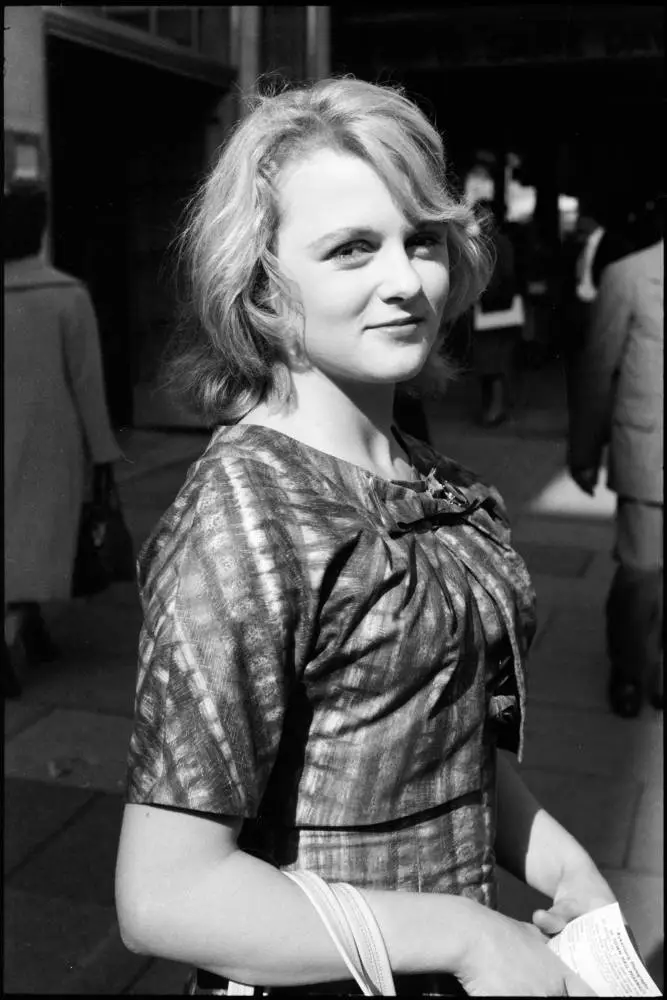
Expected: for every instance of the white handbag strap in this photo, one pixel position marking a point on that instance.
(369, 940)
(353, 930)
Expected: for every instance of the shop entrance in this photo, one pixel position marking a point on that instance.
(127, 147)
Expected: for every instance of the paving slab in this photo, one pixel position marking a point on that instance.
(642, 900)
(79, 863)
(73, 748)
(587, 742)
(521, 471)
(568, 664)
(19, 715)
(34, 812)
(568, 561)
(108, 969)
(553, 591)
(98, 664)
(47, 939)
(161, 979)
(602, 569)
(595, 535)
(562, 497)
(599, 813)
(646, 852)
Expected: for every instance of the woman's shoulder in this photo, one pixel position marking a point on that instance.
(230, 480)
(246, 495)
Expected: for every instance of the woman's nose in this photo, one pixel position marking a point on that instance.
(400, 279)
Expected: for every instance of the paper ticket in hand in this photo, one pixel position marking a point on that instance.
(598, 948)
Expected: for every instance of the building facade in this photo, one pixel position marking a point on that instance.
(118, 112)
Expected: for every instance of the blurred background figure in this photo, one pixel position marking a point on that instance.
(498, 321)
(603, 234)
(617, 398)
(55, 418)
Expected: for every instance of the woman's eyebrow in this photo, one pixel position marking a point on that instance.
(345, 233)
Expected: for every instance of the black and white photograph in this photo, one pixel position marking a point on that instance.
(333, 381)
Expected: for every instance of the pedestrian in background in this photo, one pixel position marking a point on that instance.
(617, 399)
(55, 418)
(335, 623)
(498, 320)
(602, 235)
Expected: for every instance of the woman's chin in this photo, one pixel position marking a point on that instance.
(406, 372)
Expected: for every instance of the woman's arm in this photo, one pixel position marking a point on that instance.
(185, 892)
(534, 846)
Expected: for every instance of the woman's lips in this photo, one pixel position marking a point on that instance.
(400, 329)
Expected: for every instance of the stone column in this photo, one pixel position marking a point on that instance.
(25, 77)
(318, 42)
(296, 42)
(246, 38)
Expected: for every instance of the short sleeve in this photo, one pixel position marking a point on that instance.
(225, 615)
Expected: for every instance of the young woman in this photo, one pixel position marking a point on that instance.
(335, 623)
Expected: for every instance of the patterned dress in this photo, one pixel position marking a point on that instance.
(334, 657)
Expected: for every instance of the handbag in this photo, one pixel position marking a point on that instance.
(105, 550)
(353, 929)
(500, 319)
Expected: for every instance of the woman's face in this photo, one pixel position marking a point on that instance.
(372, 286)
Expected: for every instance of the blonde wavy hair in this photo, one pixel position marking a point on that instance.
(239, 325)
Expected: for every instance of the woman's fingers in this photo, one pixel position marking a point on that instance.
(550, 922)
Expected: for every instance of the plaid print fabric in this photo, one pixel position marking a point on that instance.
(333, 657)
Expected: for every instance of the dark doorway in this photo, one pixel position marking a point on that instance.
(127, 146)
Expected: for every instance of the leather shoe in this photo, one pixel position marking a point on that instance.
(625, 698)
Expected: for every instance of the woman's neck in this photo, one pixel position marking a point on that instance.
(353, 423)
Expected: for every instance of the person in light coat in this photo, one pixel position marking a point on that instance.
(618, 400)
(56, 419)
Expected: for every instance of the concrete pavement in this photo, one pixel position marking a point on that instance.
(66, 739)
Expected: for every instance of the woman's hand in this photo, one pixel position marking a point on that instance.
(508, 958)
(579, 890)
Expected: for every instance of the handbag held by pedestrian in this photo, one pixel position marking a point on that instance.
(105, 551)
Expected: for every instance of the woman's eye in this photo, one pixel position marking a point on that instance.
(426, 240)
(351, 250)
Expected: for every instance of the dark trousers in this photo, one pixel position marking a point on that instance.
(635, 602)
(634, 624)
